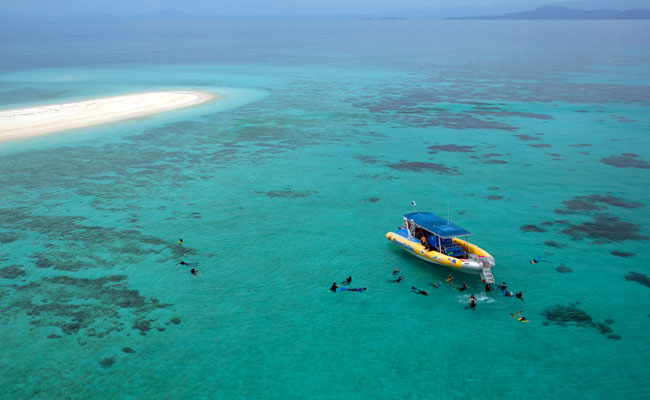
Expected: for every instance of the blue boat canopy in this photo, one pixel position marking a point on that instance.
(436, 225)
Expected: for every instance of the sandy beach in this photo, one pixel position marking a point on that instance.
(25, 122)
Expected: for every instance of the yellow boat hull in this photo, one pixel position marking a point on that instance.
(432, 256)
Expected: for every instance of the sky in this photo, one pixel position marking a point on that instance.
(299, 7)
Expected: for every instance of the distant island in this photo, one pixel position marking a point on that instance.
(550, 12)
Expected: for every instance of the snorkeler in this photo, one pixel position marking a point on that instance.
(334, 287)
(472, 302)
(396, 271)
(354, 289)
(520, 296)
(195, 272)
(463, 288)
(180, 242)
(347, 281)
(503, 286)
(520, 317)
(183, 263)
(507, 293)
(536, 261)
(398, 280)
(437, 286)
(418, 291)
(450, 278)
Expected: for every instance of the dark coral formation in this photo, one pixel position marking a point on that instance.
(95, 307)
(8, 237)
(527, 137)
(451, 148)
(626, 160)
(605, 228)
(532, 228)
(494, 197)
(594, 202)
(540, 146)
(107, 362)
(175, 320)
(571, 314)
(128, 350)
(638, 277)
(563, 269)
(553, 243)
(419, 166)
(624, 254)
(373, 199)
(288, 193)
(12, 272)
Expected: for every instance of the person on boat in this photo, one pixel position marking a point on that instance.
(334, 287)
(425, 242)
(348, 281)
(463, 288)
(520, 317)
(180, 242)
(418, 291)
(437, 286)
(520, 295)
(396, 271)
(450, 278)
(354, 289)
(503, 286)
(488, 288)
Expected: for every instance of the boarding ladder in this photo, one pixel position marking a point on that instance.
(486, 269)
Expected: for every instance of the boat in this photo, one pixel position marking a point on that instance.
(445, 246)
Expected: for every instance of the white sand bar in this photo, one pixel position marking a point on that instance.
(25, 122)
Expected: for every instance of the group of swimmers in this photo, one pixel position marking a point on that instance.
(472, 299)
(348, 281)
(194, 271)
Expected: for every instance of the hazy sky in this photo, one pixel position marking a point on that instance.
(265, 7)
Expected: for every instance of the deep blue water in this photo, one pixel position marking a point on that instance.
(534, 133)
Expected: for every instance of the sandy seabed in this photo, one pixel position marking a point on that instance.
(25, 122)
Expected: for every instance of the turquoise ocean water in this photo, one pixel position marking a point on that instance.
(534, 134)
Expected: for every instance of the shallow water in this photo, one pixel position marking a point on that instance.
(533, 134)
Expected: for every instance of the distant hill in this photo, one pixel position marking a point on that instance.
(550, 12)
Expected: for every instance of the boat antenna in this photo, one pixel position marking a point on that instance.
(414, 205)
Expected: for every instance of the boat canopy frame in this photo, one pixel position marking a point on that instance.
(433, 224)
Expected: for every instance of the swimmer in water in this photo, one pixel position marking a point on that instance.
(437, 286)
(463, 288)
(488, 288)
(508, 293)
(520, 296)
(450, 278)
(472, 302)
(396, 271)
(195, 272)
(398, 280)
(180, 242)
(334, 287)
(418, 291)
(536, 261)
(347, 281)
(183, 263)
(520, 317)
(354, 289)
(503, 286)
